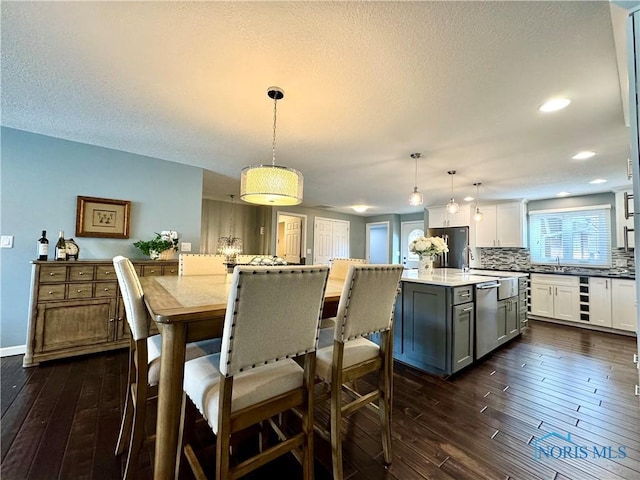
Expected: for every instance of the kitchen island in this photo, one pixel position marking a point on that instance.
(435, 324)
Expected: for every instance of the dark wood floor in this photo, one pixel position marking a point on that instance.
(60, 420)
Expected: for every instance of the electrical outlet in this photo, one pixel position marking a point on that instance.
(185, 246)
(621, 262)
(6, 241)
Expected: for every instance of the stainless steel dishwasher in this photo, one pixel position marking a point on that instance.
(486, 317)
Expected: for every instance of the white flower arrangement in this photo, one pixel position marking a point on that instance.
(428, 246)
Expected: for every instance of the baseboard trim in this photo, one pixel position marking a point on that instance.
(9, 351)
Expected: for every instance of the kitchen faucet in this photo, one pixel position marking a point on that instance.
(467, 254)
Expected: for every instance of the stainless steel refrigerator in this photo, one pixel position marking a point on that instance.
(457, 238)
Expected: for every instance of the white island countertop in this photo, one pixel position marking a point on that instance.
(497, 273)
(446, 277)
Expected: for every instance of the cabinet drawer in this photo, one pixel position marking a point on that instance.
(80, 290)
(172, 270)
(106, 289)
(51, 292)
(81, 273)
(463, 294)
(106, 272)
(151, 270)
(53, 274)
(545, 279)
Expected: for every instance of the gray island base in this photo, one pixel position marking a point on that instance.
(448, 320)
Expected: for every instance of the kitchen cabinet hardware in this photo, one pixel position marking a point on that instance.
(628, 213)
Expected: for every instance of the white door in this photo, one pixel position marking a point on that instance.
(292, 239)
(340, 239)
(409, 231)
(322, 241)
(377, 242)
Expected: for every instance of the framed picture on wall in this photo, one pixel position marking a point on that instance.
(102, 217)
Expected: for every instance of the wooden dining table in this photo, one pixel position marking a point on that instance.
(187, 309)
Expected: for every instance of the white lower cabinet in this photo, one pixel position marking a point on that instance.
(600, 301)
(555, 296)
(623, 305)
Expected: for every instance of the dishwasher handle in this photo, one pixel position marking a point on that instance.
(487, 286)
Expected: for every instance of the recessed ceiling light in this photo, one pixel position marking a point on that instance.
(583, 155)
(598, 180)
(360, 208)
(562, 194)
(468, 199)
(554, 104)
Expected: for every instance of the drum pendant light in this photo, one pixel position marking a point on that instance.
(415, 197)
(271, 184)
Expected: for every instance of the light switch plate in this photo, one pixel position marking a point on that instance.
(6, 241)
(185, 246)
(621, 262)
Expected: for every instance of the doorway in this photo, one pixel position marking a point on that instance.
(330, 240)
(409, 231)
(377, 242)
(291, 237)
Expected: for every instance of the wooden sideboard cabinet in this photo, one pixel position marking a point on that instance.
(76, 307)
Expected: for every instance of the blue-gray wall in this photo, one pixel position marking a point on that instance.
(40, 179)
(395, 225)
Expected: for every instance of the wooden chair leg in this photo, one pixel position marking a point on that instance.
(385, 385)
(336, 432)
(224, 429)
(124, 437)
(138, 432)
(307, 417)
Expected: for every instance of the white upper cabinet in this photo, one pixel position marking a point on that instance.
(622, 220)
(503, 225)
(439, 217)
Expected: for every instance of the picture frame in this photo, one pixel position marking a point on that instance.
(102, 217)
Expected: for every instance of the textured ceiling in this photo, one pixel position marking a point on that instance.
(366, 84)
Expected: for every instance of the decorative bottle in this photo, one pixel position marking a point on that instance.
(61, 248)
(43, 246)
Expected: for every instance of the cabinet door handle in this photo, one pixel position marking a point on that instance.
(107, 272)
(79, 291)
(106, 289)
(629, 169)
(465, 294)
(606, 284)
(51, 274)
(550, 291)
(111, 320)
(468, 309)
(51, 292)
(627, 213)
(80, 273)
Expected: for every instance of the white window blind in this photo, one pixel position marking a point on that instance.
(572, 236)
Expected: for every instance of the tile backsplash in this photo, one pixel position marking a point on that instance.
(518, 259)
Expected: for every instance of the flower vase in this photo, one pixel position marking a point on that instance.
(167, 254)
(425, 265)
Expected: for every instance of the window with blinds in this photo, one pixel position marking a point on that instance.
(571, 236)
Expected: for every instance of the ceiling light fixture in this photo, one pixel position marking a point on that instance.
(597, 181)
(469, 198)
(230, 246)
(360, 208)
(415, 198)
(554, 105)
(452, 207)
(271, 184)
(583, 155)
(562, 194)
(478, 215)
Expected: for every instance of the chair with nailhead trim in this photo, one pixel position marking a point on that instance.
(201, 264)
(365, 308)
(144, 363)
(272, 318)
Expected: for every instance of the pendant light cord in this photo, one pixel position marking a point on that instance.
(273, 145)
(415, 177)
(231, 220)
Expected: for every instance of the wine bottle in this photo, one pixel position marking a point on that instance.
(61, 248)
(43, 246)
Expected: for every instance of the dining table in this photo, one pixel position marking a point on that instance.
(187, 309)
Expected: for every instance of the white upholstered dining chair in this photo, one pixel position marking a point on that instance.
(144, 363)
(366, 307)
(340, 266)
(272, 317)
(201, 264)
